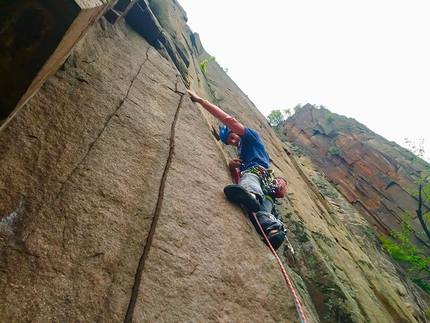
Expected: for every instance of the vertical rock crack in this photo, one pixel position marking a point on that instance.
(141, 265)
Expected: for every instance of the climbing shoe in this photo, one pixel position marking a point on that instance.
(237, 194)
(276, 238)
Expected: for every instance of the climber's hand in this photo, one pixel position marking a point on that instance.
(195, 97)
(235, 163)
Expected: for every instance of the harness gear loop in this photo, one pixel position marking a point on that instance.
(272, 185)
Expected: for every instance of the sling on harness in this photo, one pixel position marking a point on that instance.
(273, 187)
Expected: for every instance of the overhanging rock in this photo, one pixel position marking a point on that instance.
(35, 38)
(145, 22)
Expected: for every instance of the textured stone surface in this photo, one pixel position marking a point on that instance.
(87, 190)
(372, 173)
(112, 207)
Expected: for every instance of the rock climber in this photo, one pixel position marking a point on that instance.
(256, 186)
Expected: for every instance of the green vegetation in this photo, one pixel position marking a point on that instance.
(205, 62)
(276, 117)
(399, 244)
(334, 151)
(203, 65)
(297, 107)
(329, 117)
(401, 248)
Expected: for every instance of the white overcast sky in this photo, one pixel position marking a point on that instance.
(368, 60)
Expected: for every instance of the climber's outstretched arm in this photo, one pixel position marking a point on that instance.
(226, 119)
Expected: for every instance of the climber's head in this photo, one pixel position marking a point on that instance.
(228, 137)
(223, 134)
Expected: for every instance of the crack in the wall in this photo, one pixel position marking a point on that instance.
(148, 244)
(102, 129)
(95, 140)
(164, 74)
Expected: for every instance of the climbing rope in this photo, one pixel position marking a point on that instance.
(287, 279)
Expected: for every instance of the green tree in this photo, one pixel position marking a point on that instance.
(415, 258)
(297, 107)
(275, 118)
(423, 183)
(400, 246)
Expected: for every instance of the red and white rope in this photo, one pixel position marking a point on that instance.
(287, 279)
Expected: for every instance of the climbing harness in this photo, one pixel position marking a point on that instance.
(273, 186)
(287, 278)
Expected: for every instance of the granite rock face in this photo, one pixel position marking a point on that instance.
(112, 207)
